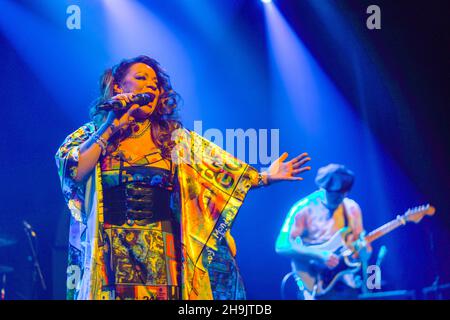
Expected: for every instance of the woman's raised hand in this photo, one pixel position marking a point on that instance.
(289, 170)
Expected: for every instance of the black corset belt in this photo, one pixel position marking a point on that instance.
(136, 201)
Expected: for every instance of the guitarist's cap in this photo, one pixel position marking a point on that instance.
(335, 177)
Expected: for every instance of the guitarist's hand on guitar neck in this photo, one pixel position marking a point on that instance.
(362, 250)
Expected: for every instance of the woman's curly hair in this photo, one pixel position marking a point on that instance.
(164, 119)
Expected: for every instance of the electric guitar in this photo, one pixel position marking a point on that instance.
(317, 279)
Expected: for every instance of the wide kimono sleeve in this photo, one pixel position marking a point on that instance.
(67, 163)
(213, 185)
(84, 276)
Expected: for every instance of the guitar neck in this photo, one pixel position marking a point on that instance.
(385, 229)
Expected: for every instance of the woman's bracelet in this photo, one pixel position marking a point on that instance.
(101, 142)
(263, 179)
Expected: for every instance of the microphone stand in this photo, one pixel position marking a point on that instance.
(37, 268)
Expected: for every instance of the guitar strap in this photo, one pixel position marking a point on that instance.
(346, 221)
(346, 218)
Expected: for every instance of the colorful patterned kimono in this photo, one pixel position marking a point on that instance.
(210, 188)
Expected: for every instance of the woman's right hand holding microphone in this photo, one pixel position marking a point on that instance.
(117, 120)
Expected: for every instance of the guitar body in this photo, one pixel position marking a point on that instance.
(319, 279)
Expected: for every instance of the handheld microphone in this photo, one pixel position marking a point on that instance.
(117, 105)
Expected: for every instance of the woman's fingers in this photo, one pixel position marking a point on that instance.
(133, 107)
(294, 179)
(121, 97)
(283, 157)
(124, 96)
(297, 171)
(301, 162)
(300, 156)
(126, 120)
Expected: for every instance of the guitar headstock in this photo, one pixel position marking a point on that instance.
(417, 213)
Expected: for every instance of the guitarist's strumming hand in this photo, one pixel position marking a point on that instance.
(330, 259)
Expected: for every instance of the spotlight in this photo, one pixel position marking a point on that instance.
(266, 1)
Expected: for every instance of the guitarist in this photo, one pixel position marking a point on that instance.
(317, 218)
